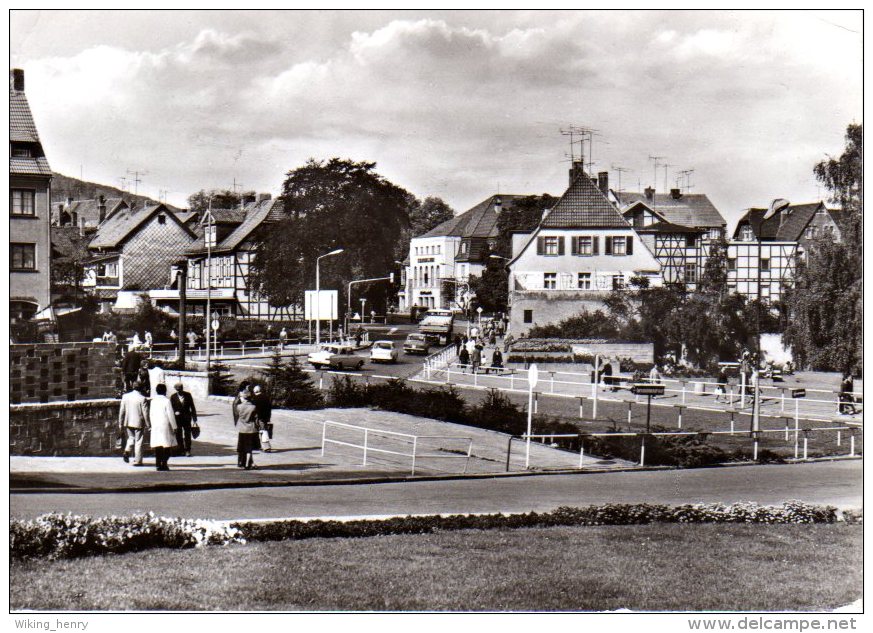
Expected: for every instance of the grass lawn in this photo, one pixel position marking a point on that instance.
(652, 567)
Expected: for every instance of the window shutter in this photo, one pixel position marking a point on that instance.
(539, 246)
(595, 245)
(574, 245)
(607, 245)
(630, 245)
(561, 245)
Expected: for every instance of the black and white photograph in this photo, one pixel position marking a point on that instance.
(436, 312)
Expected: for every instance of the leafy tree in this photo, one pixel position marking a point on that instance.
(524, 214)
(427, 214)
(715, 272)
(221, 199)
(329, 205)
(289, 386)
(491, 288)
(825, 311)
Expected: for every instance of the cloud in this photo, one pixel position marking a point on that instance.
(454, 103)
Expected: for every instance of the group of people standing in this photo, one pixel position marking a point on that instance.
(470, 350)
(252, 412)
(171, 421)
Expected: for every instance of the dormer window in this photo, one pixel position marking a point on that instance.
(746, 234)
(21, 152)
(209, 235)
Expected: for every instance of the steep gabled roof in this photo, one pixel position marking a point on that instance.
(68, 243)
(22, 129)
(89, 210)
(669, 227)
(787, 225)
(116, 229)
(689, 209)
(479, 221)
(252, 216)
(583, 205)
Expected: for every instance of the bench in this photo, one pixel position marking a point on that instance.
(500, 371)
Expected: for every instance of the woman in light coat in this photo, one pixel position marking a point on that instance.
(163, 426)
(246, 421)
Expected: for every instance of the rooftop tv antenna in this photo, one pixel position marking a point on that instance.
(685, 174)
(123, 181)
(657, 161)
(136, 179)
(620, 170)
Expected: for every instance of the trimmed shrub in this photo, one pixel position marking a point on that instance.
(289, 386)
(55, 536)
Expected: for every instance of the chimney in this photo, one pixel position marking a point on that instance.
(17, 77)
(82, 227)
(262, 197)
(247, 197)
(498, 205)
(603, 182)
(650, 193)
(575, 170)
(101, 208)
(675, 194)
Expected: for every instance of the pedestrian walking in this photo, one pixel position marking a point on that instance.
(847, 400)
(130, 367)
(476, 358)
(135, 342)
(133, 416)
(265, 413)
(244, 388)
(721, 385)
(464, 359)
(162, 421)
(471, 345)
(283, 335)
(173, 336)
(192, 338)
(359, 335)
(148, 340)
(654, 375)
(458, 343)
(246, 421)
(142, 377)
(186, 417)
(157, 376)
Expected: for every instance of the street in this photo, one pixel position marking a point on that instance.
(836, 482)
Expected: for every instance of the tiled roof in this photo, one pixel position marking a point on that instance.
(480, 221)
(251, 217)
(116, 229)
(785, 226)
(583, 205)
(21, 125)
(668, 227)
(29, 166)
(22, 129)
(690, 209)
(69, 243)
(89, 209)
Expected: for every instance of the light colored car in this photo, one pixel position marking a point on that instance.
(416, 344)
(383, 352)
(336, 356)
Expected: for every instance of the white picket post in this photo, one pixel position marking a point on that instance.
(366, 434)
(629, 405)
(414, 451)
(323, 436)
(581, 410)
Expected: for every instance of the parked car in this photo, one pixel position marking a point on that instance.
(336, 356)
(383, 352)
(416, 344)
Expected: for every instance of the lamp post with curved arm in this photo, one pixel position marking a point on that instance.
(318, 293)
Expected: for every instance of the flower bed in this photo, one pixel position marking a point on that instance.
(55, 536)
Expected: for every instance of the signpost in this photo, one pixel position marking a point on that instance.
(647, 389)
(533, 376)
(797, 394)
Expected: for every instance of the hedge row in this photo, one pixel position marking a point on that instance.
(55, 536)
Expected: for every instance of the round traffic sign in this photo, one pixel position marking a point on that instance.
(215, 324)
(533, 376)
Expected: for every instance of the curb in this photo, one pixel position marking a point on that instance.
(281, 483)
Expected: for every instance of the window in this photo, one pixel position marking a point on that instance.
(690, 273)
(732, 263)
(586, 245)
(21, 201)
(746, 234)
(690, 241)
(528, 316)
(617, 281)
(584, 282)
(21, 152)
(765, 264)
(162, 219)
(619, 246)
(550, 281)
(550, 245)
(765, 293)
(715, 234)
(209, 236)
(22, 256)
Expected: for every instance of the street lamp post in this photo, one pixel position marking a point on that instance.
(210, 237)
(318, 293)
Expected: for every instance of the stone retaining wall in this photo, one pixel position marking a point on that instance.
(85, 428)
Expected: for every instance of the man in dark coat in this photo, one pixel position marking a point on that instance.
(130, 366)
(186, 414)
(265, 411)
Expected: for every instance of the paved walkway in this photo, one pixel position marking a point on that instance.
(440, 448)
(838, 483)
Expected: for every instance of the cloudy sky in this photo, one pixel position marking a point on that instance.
(453, 104)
